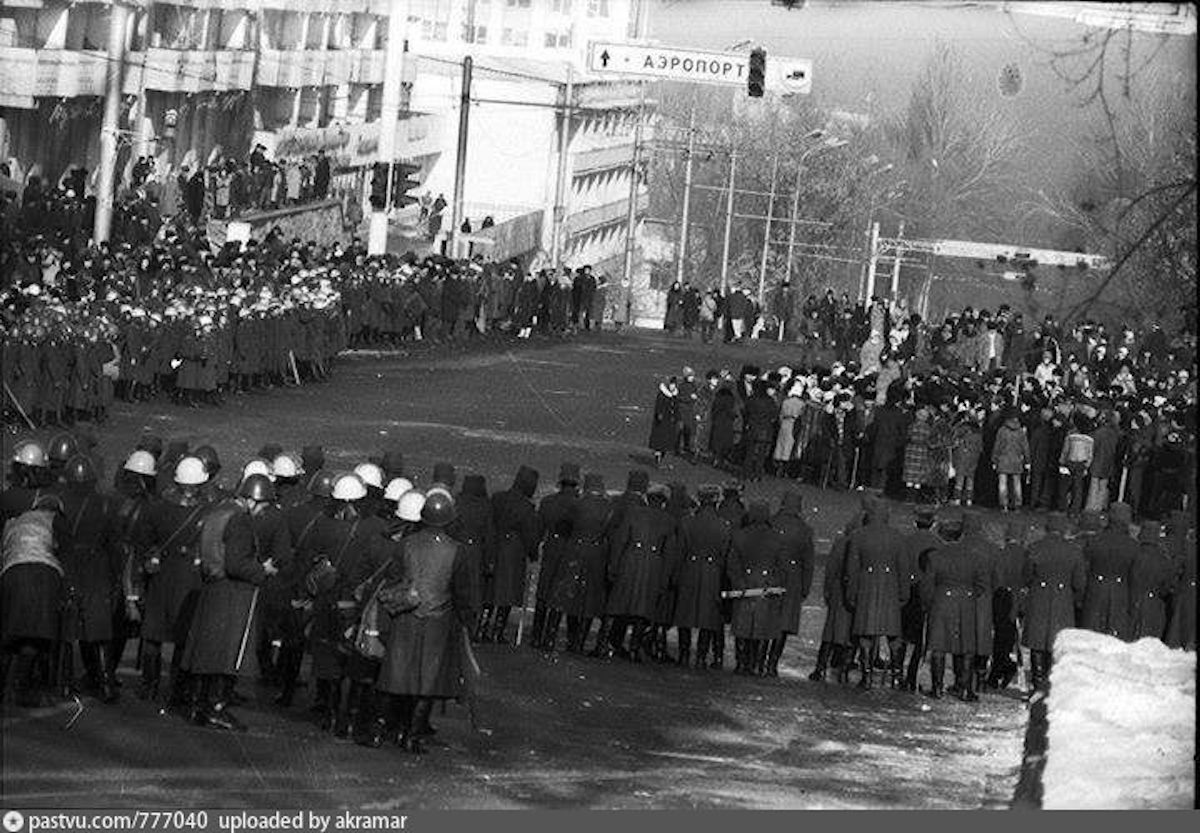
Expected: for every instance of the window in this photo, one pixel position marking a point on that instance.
(524, 4)
(597, 8)
(558, 40)
(562, 6)
(477, 34)
(514, 37)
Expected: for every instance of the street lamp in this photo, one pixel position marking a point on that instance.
(826, 143)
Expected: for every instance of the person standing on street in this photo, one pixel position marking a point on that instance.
(795, 540)
(1055, 578)
(877, 586)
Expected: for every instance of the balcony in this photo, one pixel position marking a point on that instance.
(65, 74)
(19, 80)
(190, 71)
(608, 214)
(366, 66)
(600, 159)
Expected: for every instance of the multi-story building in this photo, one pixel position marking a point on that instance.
(215, 77)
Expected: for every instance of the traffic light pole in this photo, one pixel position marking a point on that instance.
(687, 194)
(460, 161)
(728, 222)
(389, 116)
(631, 217)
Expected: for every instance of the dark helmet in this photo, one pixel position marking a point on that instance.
(438, 509)
(79, 469)
(257, 487)
(62, 448)
(208, 456)
(321, 484)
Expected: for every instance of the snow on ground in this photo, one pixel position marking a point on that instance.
(1122, 724)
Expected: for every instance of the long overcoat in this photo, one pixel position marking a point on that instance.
(1109, 557)
(580, 586)
(704, 538)
(839, 619)
(637, 558)
(554, 518)
(756, 560)
(517, 534)
(1055, 578)
(1152, 581)
(92, 566)
(956, 576)
(171, 590)
(876, 590)
(795, 541)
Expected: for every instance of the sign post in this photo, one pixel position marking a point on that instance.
(783, 75)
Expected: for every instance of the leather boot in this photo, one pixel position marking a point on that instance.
(573, 634)
(818, 672)
(483, 632)
(937, 675)
(184, 688)
(968, 688)
(538, 631)
(410, 741)
(22, 670)
(897, 669)
(914, 665)
(718, 643)
(703, 644)
(550, 633)
(840, 660)
(980, 675)
(500, 625)
(89, 655)
(775, 654)
(868, 666)
(219, 716)
(289, 673)
(203, 693)
(377, 730)
(108, 677)
(961, 671)
(151, 675)
(684, 638)
(347, 716)
(741, 656)
(761, 648)
(637, 642)
(602, 648)
(333, 706)
(661, 652)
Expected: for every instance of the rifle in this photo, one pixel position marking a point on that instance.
(753, 592)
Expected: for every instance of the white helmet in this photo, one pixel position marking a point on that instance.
(349, 487)
(286, 465)
(370, 474)
(410, 505)
(190, 471)
(30, 453)
(257, 466)
(439, 488)
(141, 462)
(396, 487)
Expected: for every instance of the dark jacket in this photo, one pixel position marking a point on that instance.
(705, 539)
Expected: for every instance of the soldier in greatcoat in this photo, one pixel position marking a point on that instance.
(274, 536)
(1008, 605)
(989, 561)
(518, 532)
(135, 503)
(705, 538)
(1181, 624)
(671, 502)
(92, 566)
(876, 590)
(837, 640)
(919, 545)
(221, 642)
(755, 562)
(637, 555)
(956, 575)
(580, 587)
(172, 571)
(1109, 557)
(475, 531)
(1152, 582)
(795, 539)
(1055, 577)
(554, 518)
(636, 484)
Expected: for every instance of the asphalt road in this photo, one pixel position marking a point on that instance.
(556, 731)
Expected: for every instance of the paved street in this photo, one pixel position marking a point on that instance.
(556, 731)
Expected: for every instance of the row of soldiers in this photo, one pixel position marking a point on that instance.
(946, 590)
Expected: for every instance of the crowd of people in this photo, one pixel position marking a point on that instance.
(168, 316)
(975, 410)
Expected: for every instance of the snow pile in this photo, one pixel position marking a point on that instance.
(1122, 724)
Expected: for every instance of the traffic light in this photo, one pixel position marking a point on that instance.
(403, 181)
(379, 186)
(756, 79)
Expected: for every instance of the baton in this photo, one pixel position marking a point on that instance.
(1124, 480)
(854, 468)
(753, 592)
(246, 633)
(20, 410)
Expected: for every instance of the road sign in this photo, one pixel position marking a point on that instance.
(783, 75)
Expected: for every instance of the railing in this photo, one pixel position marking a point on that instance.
(603, 215)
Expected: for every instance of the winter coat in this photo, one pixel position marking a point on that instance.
(425, 644)
(224, 628)
(1010, 452)
(91, 564)
(581, 583)
(554, 518)
(1109, 557)
(723, 435)
(795, 541)
(839, 619)
(1181, 628)
(1105, 441)
(637, 557)
(756, 560)
(172, 586)
(1152, 580)
(665, 429)
(877, 585)
(1055, 578)
(705, 539)
(517, 535)
(785, 440)
(918, 461)
(949, 587)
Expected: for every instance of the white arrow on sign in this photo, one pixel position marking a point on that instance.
(785, 75)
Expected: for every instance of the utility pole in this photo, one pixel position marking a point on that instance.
(560, 185)
(631, 217)
(460, 159)
(872, 260)
(787, 275)
(109, 128)
(896, 265)
(389, 115)
(728, 222)
(687, 194)
(762, 270)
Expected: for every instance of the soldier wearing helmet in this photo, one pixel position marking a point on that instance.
(135, 503)
(29, 477)
(554, 516)
(222, 629)
(348, 545)
(92, 576)
(172, 572)
(517, 535)
(424, 645)
(61, 448)
(289, 480)
(212, 467)
(396, 488)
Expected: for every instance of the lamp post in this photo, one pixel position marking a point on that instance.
(827, 143)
